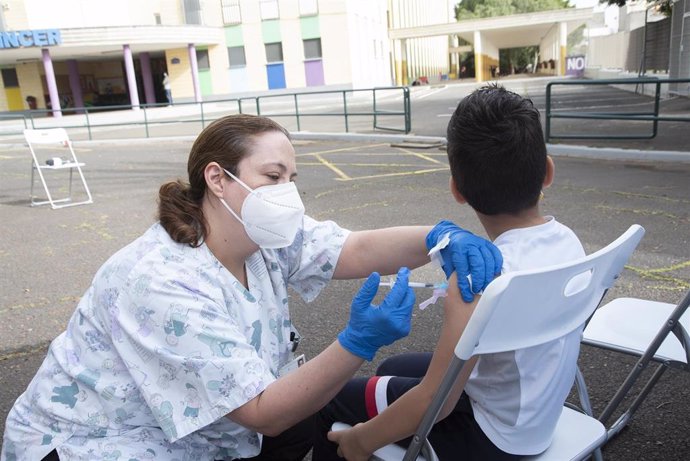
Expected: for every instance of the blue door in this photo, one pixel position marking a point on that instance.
(276, 76)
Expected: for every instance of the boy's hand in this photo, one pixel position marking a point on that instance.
(466, 254)
(370, 326)
(349, 445)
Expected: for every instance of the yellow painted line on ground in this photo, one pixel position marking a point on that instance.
(650, 196)
(364, 205)
(325, 214)
(657, 274)
(328, 192)
(675, 267)
(571, 187)
(641, 212)
(40, 302)
(101, 229)
(342, 149)
(334, 168)
(386, 175)
(360, 164)
(342, 176)
(23, 353)
(372, 154)
(420, 155)
(380, 154)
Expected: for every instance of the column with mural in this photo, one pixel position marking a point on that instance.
(400, 58)
(562, 46)
(485, 58)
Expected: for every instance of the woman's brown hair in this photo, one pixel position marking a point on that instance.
(225, 141)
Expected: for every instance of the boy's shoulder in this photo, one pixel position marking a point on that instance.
(539, 246)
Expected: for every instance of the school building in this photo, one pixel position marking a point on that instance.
(70, 54)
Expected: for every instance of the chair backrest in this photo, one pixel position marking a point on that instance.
(526, 308)
(47, 136)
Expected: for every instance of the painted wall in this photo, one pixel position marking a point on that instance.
(368, 43)
(353, 33)
(679, 53)
(353, 37)
(549, 49)
(293, 48)
(3, 100)
(253, 76)
(310, 29)
(286, 30)
(29, 76)
(426, 57)
(485, 57)
(90, 13)
(313, 72)
(32, 78)
(238, 80)
(218, 59)
(180, 74)
(608, 52)
(40, 14)
(335, 39)
(16, 15)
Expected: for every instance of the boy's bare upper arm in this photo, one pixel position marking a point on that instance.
(403, 416)
(456, 315)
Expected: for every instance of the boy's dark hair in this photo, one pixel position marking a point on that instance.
(496, 151)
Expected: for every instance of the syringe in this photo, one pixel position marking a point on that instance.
(390, 283)
(439, 290)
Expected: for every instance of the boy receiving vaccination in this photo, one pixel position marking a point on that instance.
(511, 401)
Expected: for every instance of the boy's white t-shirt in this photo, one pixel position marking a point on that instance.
(518, 396)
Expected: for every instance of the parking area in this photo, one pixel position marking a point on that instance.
(48, 257)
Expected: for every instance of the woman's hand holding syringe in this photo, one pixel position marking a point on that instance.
(439, 290)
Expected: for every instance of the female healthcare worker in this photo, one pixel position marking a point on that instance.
(179, 348)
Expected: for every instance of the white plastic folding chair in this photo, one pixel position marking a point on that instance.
(524, 309)
(50, 140)
(655, 332)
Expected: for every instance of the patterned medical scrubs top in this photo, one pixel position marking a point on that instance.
(162, 346)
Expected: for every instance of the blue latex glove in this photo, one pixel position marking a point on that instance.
(370, 326)
(466, 254)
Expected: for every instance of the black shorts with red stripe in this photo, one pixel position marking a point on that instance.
(457, 437)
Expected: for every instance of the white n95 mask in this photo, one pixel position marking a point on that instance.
(271, 214)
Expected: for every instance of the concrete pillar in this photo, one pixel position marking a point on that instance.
(52, 84)
(453, 67)
(131, 77)
(397, 64)
(486, 58)
(478, 59)
(74, 84)
(563, 46)
(404, 77)
(147, 78)
(195, 72)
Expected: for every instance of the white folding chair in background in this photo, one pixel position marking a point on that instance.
(52, 151)
(524, 309)
(655, 332)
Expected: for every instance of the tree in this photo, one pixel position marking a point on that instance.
(664, 7)
(474, 9)
(518, 60)
(512, 59)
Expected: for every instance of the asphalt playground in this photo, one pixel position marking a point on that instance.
(48, 257)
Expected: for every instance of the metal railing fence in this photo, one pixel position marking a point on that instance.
(204, 112)
(652, 116)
